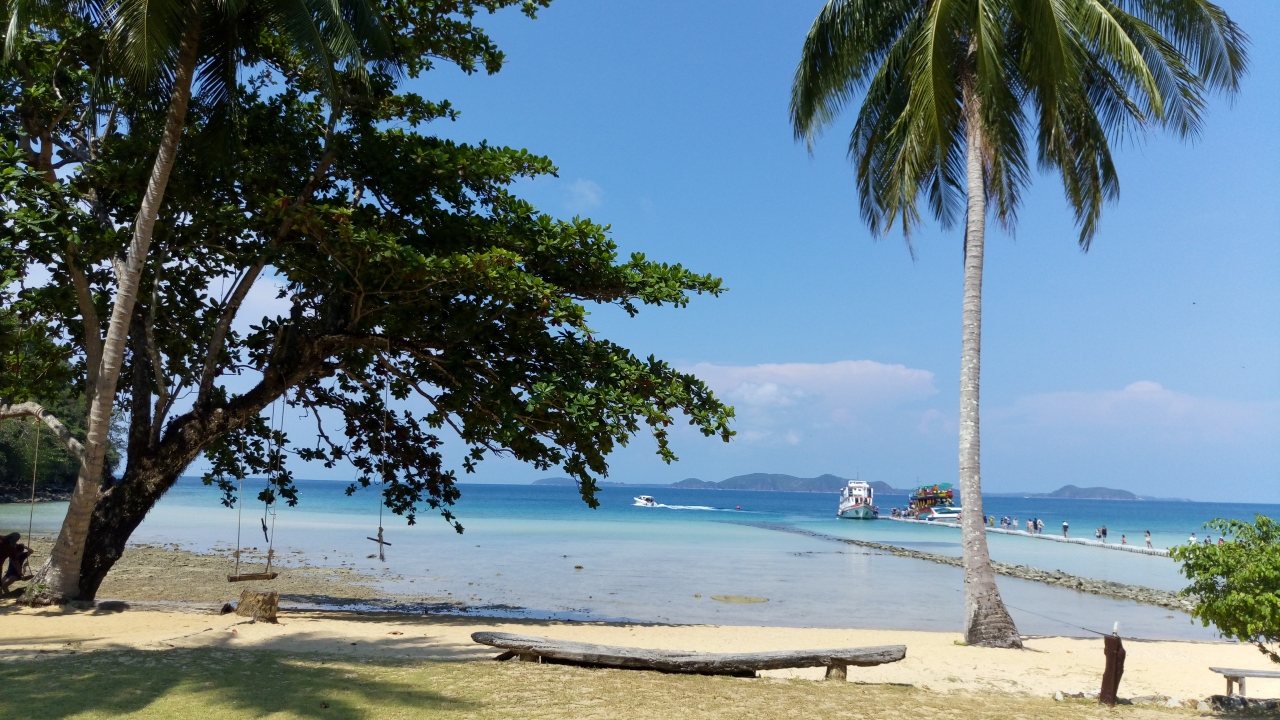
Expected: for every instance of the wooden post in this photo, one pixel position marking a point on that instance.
(260, 606)
(529, 657)
(1241, 680)
(837, 671)
(1114, 651)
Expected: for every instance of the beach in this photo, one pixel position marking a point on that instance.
(936, 662)
(165, 599)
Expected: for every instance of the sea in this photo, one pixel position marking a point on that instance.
(701, 556)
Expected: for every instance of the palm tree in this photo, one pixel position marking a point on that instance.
(952, 91)
(163, 47)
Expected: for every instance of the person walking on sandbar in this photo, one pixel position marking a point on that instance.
(1148, 538)
(1064, 528)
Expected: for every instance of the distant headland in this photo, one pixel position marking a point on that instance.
(832, 484)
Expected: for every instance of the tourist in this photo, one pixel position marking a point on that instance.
(1039, 526)
(1221, 541)
(1064, 530)
(12, 550)
(1147, 533)
(1097, 533)
(1193, 538)
(1123, 539)
(1031, 527)
(1104, 533)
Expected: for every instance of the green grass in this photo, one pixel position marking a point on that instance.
(218, 684)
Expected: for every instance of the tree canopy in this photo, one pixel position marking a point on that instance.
(1237, 584)
(414, 275)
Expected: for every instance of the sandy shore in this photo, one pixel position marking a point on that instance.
(935, 661)
(171, 598)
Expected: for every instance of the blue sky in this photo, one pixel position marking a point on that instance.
(1152, 363)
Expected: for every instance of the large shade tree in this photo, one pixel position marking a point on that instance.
(426, 301)
(161, 50)
(959, 97)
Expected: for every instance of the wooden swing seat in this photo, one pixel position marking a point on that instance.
(253, 576)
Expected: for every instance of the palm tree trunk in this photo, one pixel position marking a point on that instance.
(987, 622)
(59, 579)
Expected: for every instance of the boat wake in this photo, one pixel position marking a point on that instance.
(687, 507)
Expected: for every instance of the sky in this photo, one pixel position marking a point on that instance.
(1150, 363)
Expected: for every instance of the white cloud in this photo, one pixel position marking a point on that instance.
(849, 384)
(1143, 409)
(814, 403)
(582, 196)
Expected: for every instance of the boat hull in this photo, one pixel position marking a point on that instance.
(857, 513)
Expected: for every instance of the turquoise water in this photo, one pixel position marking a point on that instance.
(522, 543)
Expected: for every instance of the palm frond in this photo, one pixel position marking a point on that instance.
(145, 35)
(846, 44)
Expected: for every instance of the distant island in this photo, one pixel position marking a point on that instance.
(832, 484)
(784, 483)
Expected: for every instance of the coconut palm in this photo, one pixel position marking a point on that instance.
(955, 94)
(164, 48)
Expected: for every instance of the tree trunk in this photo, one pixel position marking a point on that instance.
(59, 579)
(987, 622)
(152, 472)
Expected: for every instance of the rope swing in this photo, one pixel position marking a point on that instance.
(267, 509)
(386, 399)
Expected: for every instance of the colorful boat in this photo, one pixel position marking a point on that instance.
(857, 502)
(934, 502)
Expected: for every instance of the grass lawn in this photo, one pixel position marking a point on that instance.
(183, 684)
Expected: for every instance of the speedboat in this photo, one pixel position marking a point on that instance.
(646, 501)
(857, 502)
(945, 513)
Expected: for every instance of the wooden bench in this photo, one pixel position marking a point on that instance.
(1236, 676)
(537, 649)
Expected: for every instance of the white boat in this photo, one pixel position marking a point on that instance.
(941, 512)
(646, 501)
(857, 502)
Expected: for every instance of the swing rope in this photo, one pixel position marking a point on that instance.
(31, 514)
(239, 515)
(382, 497)
(266, 510)
(35, 464)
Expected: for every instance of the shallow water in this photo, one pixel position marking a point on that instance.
(663, 564)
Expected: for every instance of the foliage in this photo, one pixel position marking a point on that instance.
(1061, 80)
(57, 469)
(1237, 583)
(413, 275)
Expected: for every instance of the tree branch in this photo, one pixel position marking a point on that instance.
(241, 291)
(89, 317)
(38, 411)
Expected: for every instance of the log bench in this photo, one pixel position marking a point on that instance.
(1235, 676)
(538, 649)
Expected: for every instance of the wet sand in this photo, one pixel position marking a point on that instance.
(165, 574)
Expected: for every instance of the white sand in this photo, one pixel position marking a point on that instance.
(934, 660)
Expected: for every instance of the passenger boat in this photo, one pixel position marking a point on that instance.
(934, 502)
(857, 502)
(646, 501)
